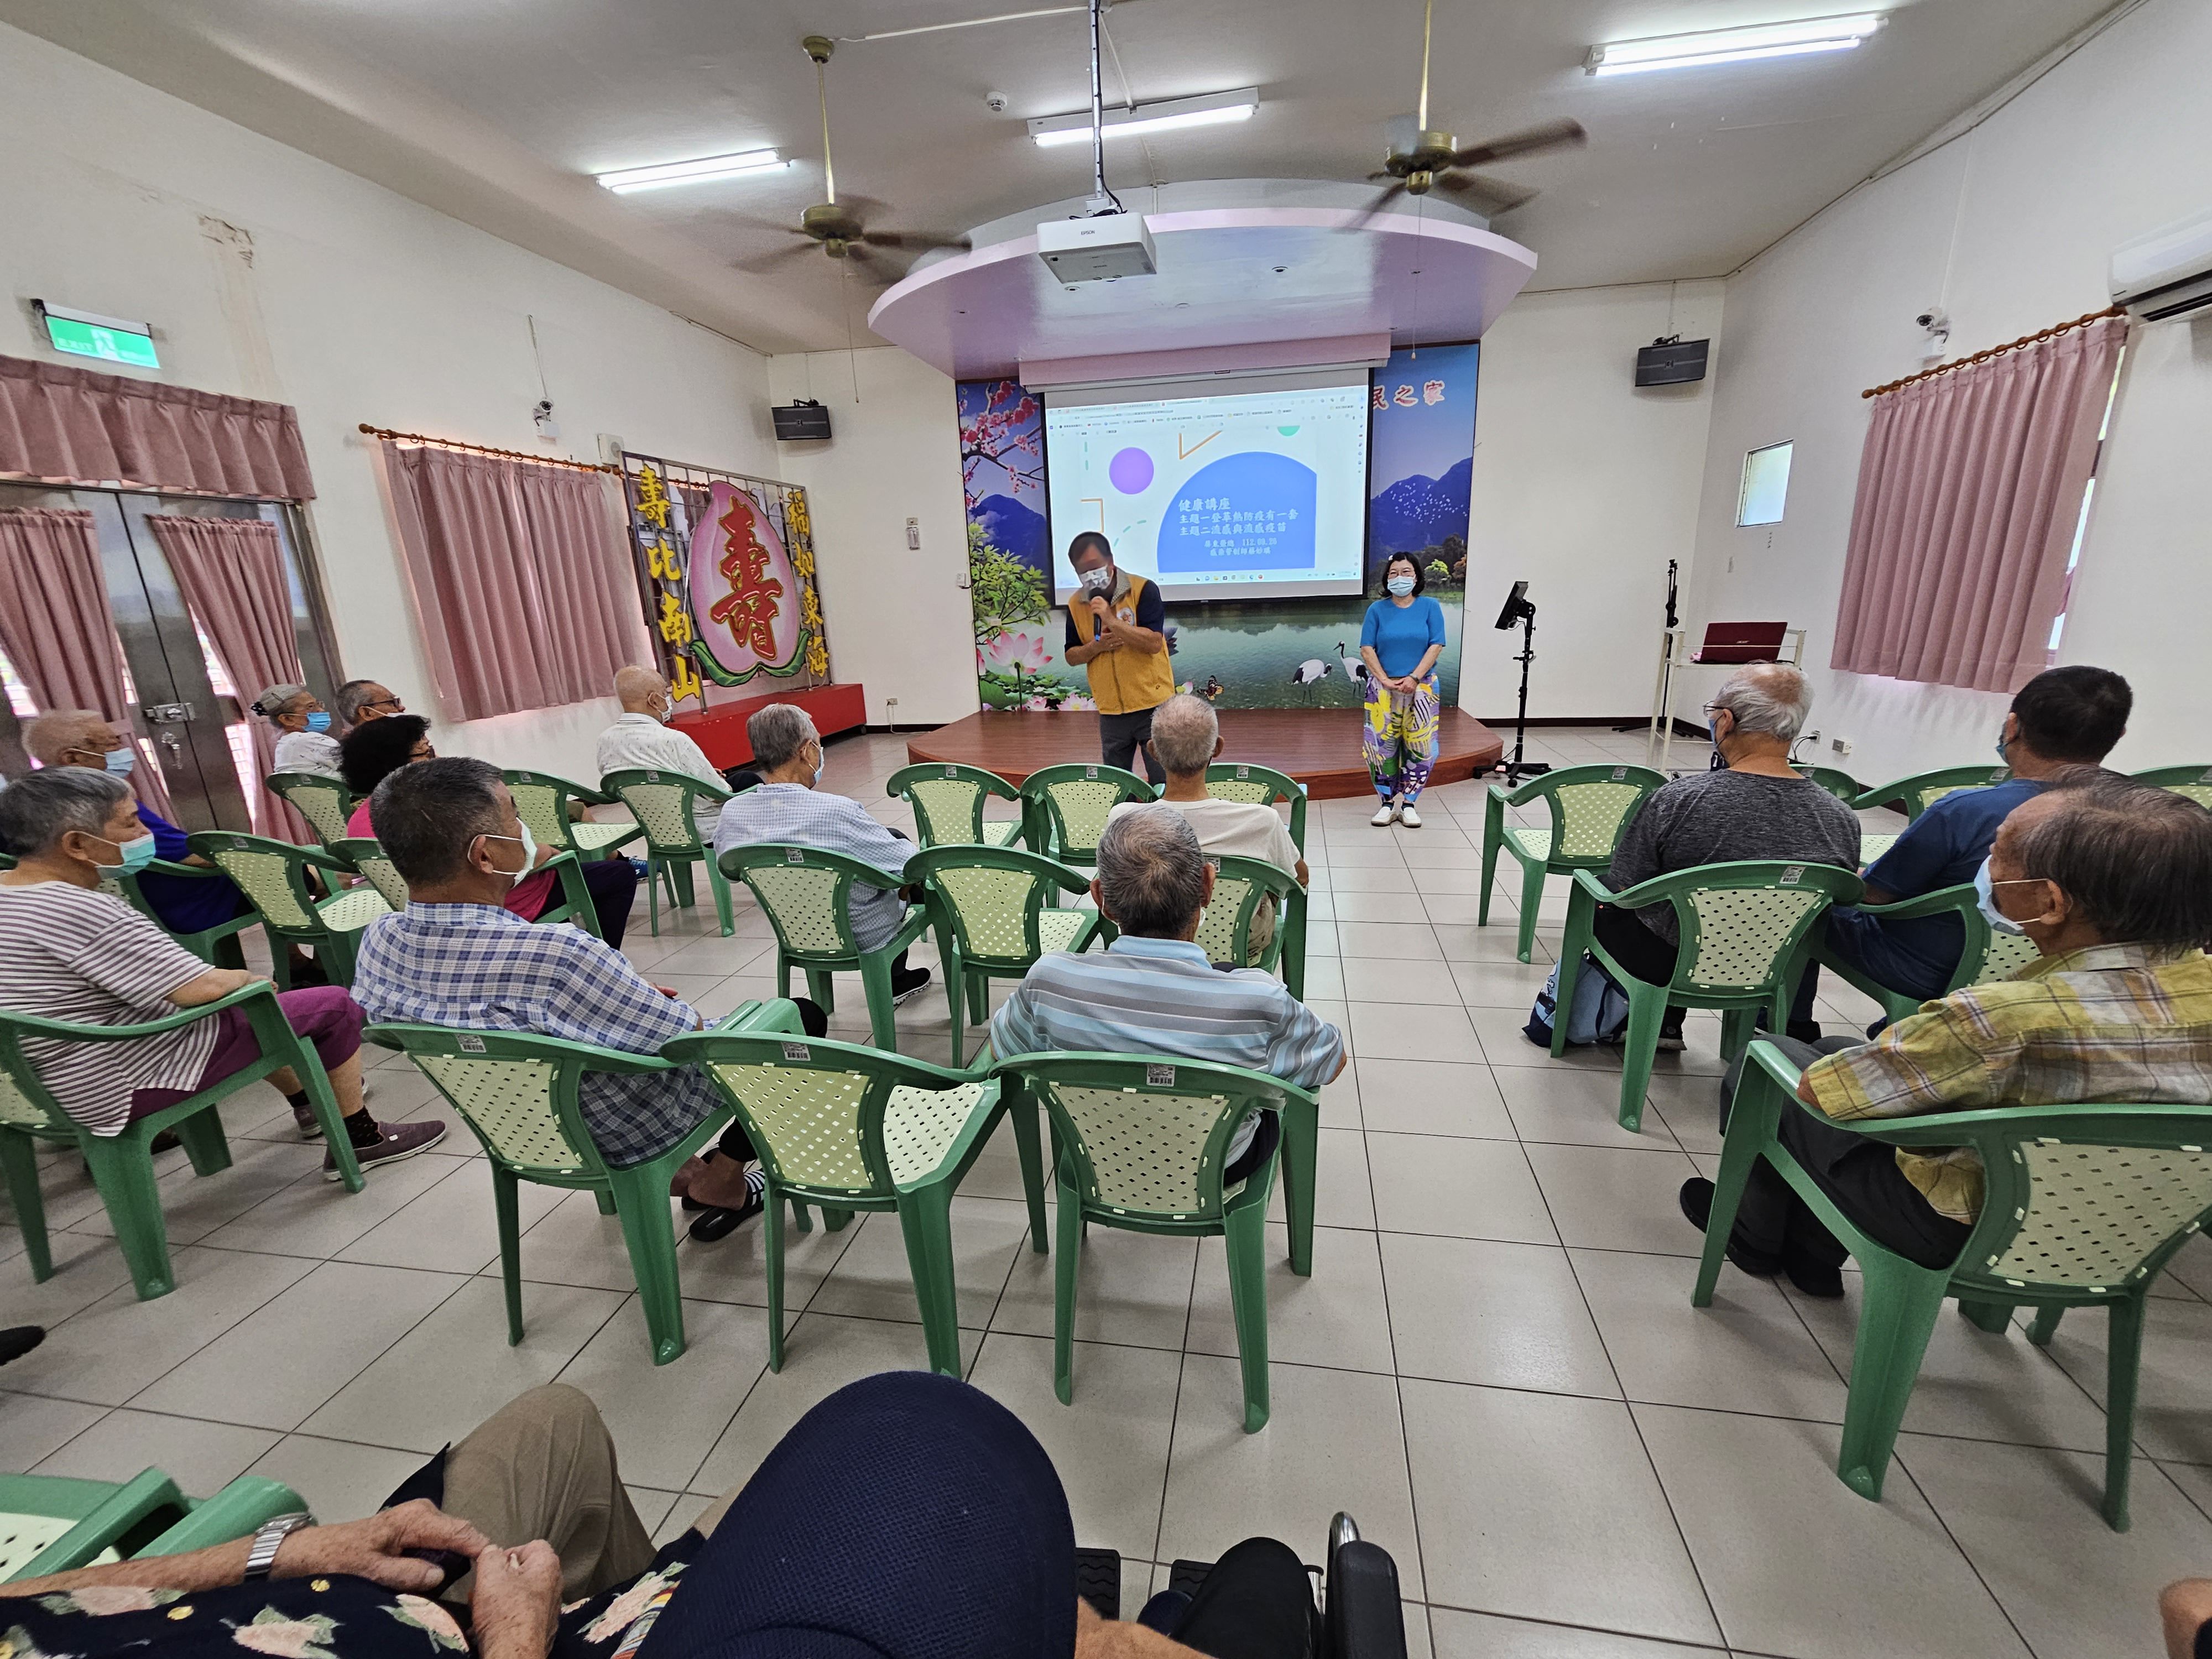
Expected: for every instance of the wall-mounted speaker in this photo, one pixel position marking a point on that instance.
(808, 419)
(1672, 361)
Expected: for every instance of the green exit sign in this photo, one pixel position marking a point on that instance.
(87, 334)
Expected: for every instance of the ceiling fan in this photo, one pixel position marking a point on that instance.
(839, 229)
(1437, 161)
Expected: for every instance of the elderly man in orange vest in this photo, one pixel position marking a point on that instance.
(1118, 632)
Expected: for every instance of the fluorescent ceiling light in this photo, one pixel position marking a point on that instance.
(1737, 45)
(691, 172)
(1209, 109)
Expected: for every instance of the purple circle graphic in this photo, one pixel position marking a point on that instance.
(1131, 471)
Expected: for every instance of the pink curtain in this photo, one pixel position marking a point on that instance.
(76, 426)
(231, 572)
(1970, 489)
(519, 576)
(57, 628)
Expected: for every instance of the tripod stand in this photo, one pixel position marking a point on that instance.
(1518, 609)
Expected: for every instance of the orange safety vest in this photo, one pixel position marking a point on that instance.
(1123, 682)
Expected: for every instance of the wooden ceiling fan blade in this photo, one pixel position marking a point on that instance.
(1491, 195)
(860, 206)
(775, 259)
(913, 242)
(1530, 141)
(1374, 208)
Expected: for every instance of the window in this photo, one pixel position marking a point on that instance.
(1766, 485)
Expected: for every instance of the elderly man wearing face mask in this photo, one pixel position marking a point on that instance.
(1117, 633)
(2112, 880)
(643, 740)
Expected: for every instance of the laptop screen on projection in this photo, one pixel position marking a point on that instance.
(1251, 488)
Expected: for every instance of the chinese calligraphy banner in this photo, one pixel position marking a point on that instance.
(725, 571)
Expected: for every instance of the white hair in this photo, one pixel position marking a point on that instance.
(1768, 699)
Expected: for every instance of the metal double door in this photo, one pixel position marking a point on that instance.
(197, 729)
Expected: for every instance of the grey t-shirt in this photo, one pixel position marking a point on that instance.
(1717, 817)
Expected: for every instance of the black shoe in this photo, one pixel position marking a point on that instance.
(1815, 1279)
(1697, 1201)
(19, 1339)
(1670, 1032)
(906, 984)
(720, 1223)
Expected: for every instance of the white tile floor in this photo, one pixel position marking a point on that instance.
(1494, 1366)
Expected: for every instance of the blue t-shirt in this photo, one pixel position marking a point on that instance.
(1943, 848)
(1402, 637)
(186, 904)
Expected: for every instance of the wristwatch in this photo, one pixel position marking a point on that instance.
(266, 1543)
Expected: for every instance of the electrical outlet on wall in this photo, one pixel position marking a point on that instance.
(1841, 745)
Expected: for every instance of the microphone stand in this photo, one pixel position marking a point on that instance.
(1517, 769)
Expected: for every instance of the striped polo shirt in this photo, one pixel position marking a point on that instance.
(73, 953)
(1161, 996)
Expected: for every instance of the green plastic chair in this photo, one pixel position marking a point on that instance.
(364, 855)
(517, 1091)
(217, 947)
(2194, 781)
(994, 915)
(849, 1128)
(805, 894)
(1590, 807)
(1742, 930)
(948, 804)
(1261, 786)
(1988, 954)
(123, 1165)
(545, 803)
(2082, 1205)
(1917, 794)
(1141, 1145)
(1064, 808)
(322, 799)
(366, 858)
(1842, 785)
(273, 876)
(661, 803)
(51, 1524)
(1225, 931)
(1872, 845)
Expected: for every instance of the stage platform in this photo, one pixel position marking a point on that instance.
(1319, 747)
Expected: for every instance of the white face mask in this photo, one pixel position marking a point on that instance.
(529, 851)
(666, 711)
(1100, 580)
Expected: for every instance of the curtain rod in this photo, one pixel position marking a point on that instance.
(2082, 321)
(483, 449)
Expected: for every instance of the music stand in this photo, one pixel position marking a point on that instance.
(1519, 609)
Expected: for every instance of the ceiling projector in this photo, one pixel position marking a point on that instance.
(1096, 249)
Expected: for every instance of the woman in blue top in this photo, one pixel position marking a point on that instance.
(1400, 642)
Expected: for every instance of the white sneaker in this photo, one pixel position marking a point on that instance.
(1384, 814)
(1408, 817)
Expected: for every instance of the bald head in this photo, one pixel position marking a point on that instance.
(68, 737)
(1185, 735)
(640, 690)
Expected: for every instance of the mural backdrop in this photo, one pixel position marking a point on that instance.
(1275, 654)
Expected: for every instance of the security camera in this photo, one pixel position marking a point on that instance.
(1934, 320)
(995, 102)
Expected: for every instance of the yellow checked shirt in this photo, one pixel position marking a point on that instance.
(2114, 1023)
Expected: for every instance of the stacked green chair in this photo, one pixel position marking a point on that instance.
(2083, 1207)
(51, 1524)
(273, 876)
(995, 912)
(849, 1128)
(2194, 781)
(518, 1092)
(1141, 1145)
(1240, 885)
(217, 947)
(1842, 785)
(322, 799)
(1917, 794)
(1260, 786)
(123, 1165)
(1590, 807)
(1743, 929)
(805, 894)
(1988, 955)
(1064, 808)
(547, 804)
(948, 804)
(661, 802)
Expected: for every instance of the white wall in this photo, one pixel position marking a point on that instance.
(899, 620)
(358, 305)
(1586, 486)
(2009, 228)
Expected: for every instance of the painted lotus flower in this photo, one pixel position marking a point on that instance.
(1078, 701)
(1013, 648)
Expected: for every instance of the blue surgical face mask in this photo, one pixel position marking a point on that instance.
(1399, 586)
(120, 761)
(132, 855)
(320, 720)
(1985, 898)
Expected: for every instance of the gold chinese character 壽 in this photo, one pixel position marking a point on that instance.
(652, 498)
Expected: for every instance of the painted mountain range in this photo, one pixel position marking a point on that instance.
(1016, 530)
(1419, 511)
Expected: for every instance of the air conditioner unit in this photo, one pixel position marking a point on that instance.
(2168, 273)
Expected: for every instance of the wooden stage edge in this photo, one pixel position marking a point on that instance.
(1318, 747)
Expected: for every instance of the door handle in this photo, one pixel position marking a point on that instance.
(169, 738)
(167, 713)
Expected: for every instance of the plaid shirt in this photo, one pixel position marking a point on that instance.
(792, 814)
(2114, 1023)
(483, 969)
